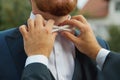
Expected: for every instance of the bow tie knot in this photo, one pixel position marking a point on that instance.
(62, 28)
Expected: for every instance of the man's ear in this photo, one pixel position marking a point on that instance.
(34, 7)
(32, 2)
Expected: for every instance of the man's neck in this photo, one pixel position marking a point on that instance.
(58, 20)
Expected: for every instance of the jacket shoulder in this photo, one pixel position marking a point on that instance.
(102, 43)
(7, 32)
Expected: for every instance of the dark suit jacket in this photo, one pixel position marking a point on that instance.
(37, 71)
(12, 58)
(111, 71)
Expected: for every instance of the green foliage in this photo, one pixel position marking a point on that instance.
(115, 38)
(13, 13)
(75, 12)
(16, 12)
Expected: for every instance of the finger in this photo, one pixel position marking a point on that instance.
(39, 21)
(80, 18)
(50, 24)
(69, 36)
(23, 31)
(54, 35)
(30, 24)
(75, 23)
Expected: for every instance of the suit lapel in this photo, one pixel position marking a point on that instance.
(85, 68)
(78, 69)
(15, 45)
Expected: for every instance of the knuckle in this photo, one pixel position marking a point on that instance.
(73, 20)
(51, 21)
(80, 15)
(29, 20)
(21, 28)
(39, 16)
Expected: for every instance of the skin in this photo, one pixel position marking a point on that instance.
(48, 16)
(39, 39)
(85, 41)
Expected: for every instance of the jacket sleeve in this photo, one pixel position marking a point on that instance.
(111, 68)
(36, 71)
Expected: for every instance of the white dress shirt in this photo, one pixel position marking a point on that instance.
(61, 60)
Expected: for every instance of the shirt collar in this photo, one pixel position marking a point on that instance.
(56, 28)
(32, 16)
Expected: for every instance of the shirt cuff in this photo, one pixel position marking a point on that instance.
(37, 59)
(101, 57)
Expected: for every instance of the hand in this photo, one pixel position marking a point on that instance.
(38, 37)
(85, 41)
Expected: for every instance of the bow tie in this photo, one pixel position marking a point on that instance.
(62, 28)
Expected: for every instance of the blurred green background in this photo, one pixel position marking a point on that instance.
(13, 13)
(16, 12)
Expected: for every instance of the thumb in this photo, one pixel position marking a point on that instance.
(70, 36)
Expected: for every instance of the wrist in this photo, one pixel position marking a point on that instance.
(37, 59)
(94, 52)
(37, 53)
